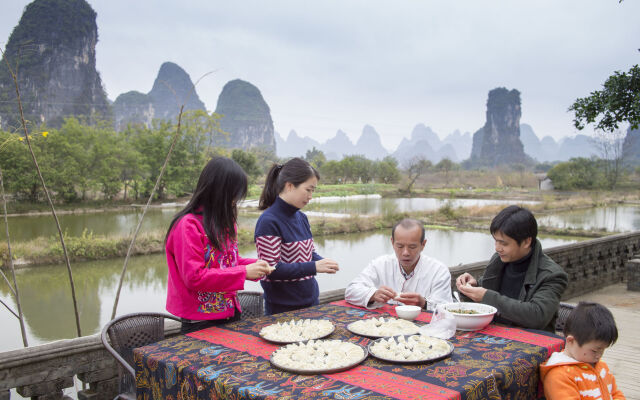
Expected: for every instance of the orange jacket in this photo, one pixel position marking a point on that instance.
(564, 378)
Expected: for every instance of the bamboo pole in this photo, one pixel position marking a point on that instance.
(14, 289)
(46, 192)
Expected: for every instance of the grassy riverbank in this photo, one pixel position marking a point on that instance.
(94, 247)
(93, 206)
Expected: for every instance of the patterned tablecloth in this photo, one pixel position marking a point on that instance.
(232, 362)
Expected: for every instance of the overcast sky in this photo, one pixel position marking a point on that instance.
(328, 65)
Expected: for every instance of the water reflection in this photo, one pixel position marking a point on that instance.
(123, 222)
(49, 312)
(610, 219)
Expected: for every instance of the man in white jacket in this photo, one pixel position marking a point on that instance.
(406, 277)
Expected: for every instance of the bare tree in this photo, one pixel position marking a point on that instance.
(416, 167)
(612, 152)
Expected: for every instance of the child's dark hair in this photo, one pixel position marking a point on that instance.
(222, 184)
(294, 171)
(591, 321)
(516, 222)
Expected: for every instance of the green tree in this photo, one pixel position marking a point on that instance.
(131, 173)
(445, 165)
(617, 102)
(65, 161)
(357, 168)
(577, 173)
(349, 172)
(152, 144)
(17, 167)
(386, 171)
(206, 127)
(332, 172)
(248, 162)
(315, 157)
(108, 161)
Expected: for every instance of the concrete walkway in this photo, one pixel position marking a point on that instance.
(623, 357)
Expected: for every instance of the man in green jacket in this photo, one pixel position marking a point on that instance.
(520, 281)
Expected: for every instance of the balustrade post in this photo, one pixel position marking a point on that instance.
(103, 384)
(47, 390)
(633, 275)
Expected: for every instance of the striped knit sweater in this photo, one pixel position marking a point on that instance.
(283, 239)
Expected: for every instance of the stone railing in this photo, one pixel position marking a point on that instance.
(43, 372)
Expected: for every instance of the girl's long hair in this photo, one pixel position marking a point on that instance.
(295, 171)
(222, 184)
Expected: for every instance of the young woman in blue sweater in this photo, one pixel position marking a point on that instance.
(283, 238)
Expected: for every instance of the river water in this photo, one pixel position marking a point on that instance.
(123, 222)
(610, 219)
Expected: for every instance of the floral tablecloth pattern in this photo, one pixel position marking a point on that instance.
(232, 362)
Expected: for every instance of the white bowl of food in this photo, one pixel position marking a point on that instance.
(470, 316)
(408, 312)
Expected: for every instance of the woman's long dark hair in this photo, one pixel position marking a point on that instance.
(295, 171)
(222, 184)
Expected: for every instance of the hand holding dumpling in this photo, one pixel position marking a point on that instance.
(258, 270)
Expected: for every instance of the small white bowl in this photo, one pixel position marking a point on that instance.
(408, 312)
(471, 322)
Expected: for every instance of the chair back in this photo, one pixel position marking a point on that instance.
(563, 312)
(252, 304)
(127, 332)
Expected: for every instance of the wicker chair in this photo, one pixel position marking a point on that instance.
(563, 312)
(126, 333)
(252, 304)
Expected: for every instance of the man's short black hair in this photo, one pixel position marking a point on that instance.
(591, 321)
(409, 223)
(516, 222)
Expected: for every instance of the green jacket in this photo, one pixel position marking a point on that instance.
(537, 305)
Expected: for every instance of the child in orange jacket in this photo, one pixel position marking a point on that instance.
(577, 372)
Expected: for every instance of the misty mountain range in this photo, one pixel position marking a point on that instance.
(424, 142)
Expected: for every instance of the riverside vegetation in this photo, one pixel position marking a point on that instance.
(92, 167)
(89, 246)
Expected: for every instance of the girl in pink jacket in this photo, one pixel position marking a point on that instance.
(205, 270)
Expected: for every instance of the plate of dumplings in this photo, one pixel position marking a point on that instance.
(382, 327)
(318, 356)
(297, 330)
(410, 349)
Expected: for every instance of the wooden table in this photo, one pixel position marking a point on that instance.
(232, 361)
